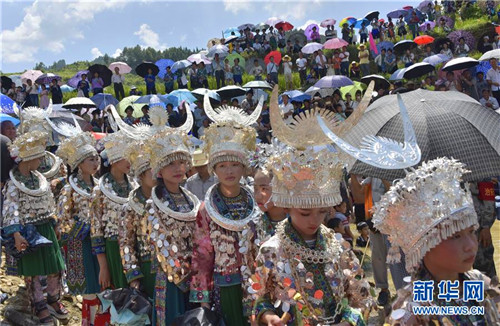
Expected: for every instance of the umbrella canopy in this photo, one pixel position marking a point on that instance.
(372, 15)
(311, 47)
(436, 59)
(198, 58)
(16, 79)
(328, 22)
(31, 75)
(309, 30)
(408, 16)
(398, 74)
(103, 72)
(423, 6)
(404, 45)
(275, 54)
(297, 36)
(245, 26)
(258, 84)
(123, 67)
(273, 21)
(183, 95)
(352, 89)
(199, 93)
(73, 81)
(438, 44)
(7, 104)
(231, 31)
(360, 22)
(423, 39)
(428, 25)
(483, 67)
(6, 117)
(380, 81)
(386, 45)
(493, 54)
(466, 121)
(460, 63)
(333, 82)
(250, 64)
(162, 65)
(469, 39)
(69, 117)
(418, 69)
(166, 99)
(335, 43)
(130, 101)
(397, 13)
(323, 92)
(235, 55)
(231, 91)
(142, 69)
(219, 49)
(348, 20)
(295, 96)
(286, 26)
(181, 64)
(102, 100)
(47, 78)
(79, 103)
(261, 26)
(212, 42)
(66, 88)
(6, 82)
(448, 21)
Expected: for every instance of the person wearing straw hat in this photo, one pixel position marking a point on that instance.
(430, 216)
(364, 62)
(287, 71)
(200, 182)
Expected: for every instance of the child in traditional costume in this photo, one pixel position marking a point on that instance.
(29, 201)
(430, 216)
(224, 247)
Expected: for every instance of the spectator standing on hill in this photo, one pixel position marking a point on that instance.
(493, 79)
(380, 61)
(344, 64)
(322, 63)
(149, 79)
(363, 33)
(237, 72)
(118, 80)
(168, 80)
(301, 63)
(364, 62)
(287, 71)
(56, 92)
(32, 92)
(272, 70)
(97, 84)
(315, 37)
(83, 86)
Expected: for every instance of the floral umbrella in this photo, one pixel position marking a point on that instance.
(328, 22)
(469, 39)
(428, 25)
(448, 21)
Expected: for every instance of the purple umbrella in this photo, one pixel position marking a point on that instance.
(396, 13)
(309, 30)
(423, 6)
(47, 78)
(73, 81)
(428, 25)
(448, 21)
(336, 81)
(468, 38)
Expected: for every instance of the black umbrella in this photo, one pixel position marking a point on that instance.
(418, 69)
(230, 39)
(298, 36)
(380, 81)
(6, 82)
(438, 44)
(402, 46)
(231, 91)
(448, 124)
(103, 72)
(372, 15)
(460, 63)
(142, 69)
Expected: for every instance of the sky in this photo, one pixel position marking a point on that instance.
(47, 31)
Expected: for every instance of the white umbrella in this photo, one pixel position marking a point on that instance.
(273, 21)
(493, 54)
(311, 47)
(181, 64)
(324, 92)
(198, 57)
(219, 49)
(257, 84)
(460, 63)
(78, 103)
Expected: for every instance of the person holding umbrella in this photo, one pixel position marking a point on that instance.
(149, 79)
(32, 91)
(56, 92)
(414, 21)
(168, 80)
(218, 68)
(117, 79)
(97, 84)
(83, 86)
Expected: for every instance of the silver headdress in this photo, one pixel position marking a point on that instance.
(34, 118)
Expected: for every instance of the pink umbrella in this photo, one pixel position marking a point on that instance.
(31, 74)
(124, 68)
(328, 22)
(311, 47)
(309, 30)
(273, 21)
(335, 43)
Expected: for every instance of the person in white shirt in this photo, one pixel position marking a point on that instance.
(272, 70)
(344, 64)
(199, 183)
(117, 79)
(287, 71)
(286, 109)
(493, 79)
(488, 101)
(32, 92)
(301, 63)
(257, 70)
(321, 61)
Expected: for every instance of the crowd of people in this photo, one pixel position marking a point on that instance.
(243, 212)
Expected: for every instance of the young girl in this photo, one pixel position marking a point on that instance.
(171, 216)
(28, 200)
(223, 243)
(434, 225)
(108, 197)
(135, 249)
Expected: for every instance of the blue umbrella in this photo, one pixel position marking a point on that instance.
(360, 22)
(228, 32)
(162, 64)
(420, 15)
(67, 88)
(73, 81)
(483, 67)
(7, 104)
(181, 64)
(102, 100)
(398, 74)
(183, 95)
(396, 13)
(333, 82)
(6, 117)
